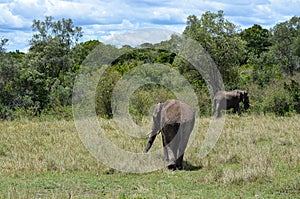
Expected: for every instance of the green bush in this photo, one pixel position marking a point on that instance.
(104, 93)
(277, 100)
(145, 97)
(294, 89)
(5, 112)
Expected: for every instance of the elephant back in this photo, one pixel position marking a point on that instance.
(175, 111)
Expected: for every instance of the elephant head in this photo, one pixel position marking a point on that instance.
(244, 98)
(246, 101)
(175, 120)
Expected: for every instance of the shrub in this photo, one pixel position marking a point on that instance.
(145, 97)
(104, 93)
(277, 100)
(294, 89)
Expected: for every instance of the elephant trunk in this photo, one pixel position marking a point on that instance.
(247, 104)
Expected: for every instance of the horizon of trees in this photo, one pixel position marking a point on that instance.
(265, 62)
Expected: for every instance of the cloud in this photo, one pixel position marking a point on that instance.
(103, 19)
(8, 20)
(103, 32)
(138, 37)
(27, 9)
(282, 10)
(18, 40)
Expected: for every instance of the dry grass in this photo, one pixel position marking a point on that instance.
(253, 148)
(38, 147)
(256, 156)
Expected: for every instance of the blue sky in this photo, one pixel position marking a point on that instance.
(147, 20)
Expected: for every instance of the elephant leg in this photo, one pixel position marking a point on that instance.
(237, 109)
(234, 110)
(170, 144)
(181, 146)
(218, 113)
(168, 153)
(217, 109)
(221, 105)
(179, 163)
(185, 132)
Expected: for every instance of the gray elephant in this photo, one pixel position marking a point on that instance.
(226, 100)
(175, 120)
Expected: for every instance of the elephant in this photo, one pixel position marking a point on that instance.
(175, 120)
(231, 99)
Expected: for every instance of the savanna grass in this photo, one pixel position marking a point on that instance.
(255, 156)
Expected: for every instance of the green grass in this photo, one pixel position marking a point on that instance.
(255, 157)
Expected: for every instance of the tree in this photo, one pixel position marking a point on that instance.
(49, 64)
(51, 46)
(3, 42)
(257, 39)
(9, 72)
(80, 51)
(286, 45)
(221, 40)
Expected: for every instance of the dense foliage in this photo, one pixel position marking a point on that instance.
(264, 62)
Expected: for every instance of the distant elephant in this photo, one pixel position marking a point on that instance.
(175, 120)
(231, 99)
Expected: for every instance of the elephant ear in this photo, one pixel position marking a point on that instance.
(245, 96)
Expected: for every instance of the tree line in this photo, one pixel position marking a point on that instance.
(265, 62)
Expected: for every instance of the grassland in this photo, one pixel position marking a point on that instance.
(256, 157)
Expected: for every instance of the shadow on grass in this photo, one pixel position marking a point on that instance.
(189, 167)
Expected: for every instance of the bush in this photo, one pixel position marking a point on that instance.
(278, 101)
(5, 112)
(104, 93)
(144, 97)
(294, 89)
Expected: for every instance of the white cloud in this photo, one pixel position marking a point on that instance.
(28, 8)
(8, 19)
(138, 37)
(18, 40)
(104, 32)
(104, 19)
(283, 10)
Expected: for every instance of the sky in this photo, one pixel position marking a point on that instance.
(132, 22)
